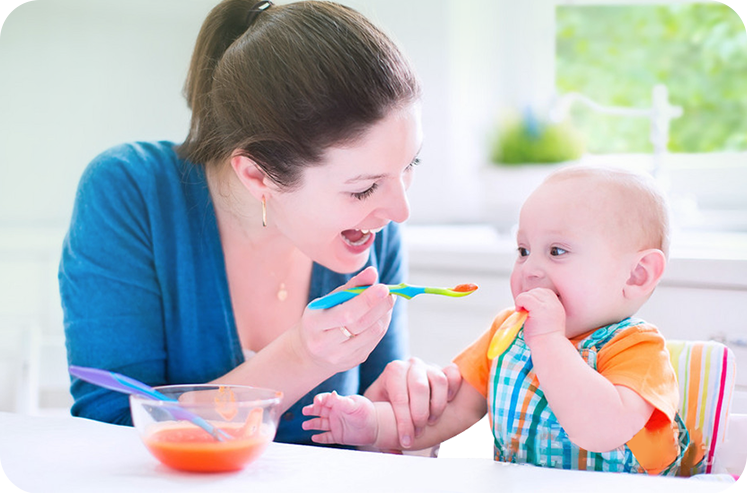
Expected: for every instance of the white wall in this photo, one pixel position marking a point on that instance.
(82, 75)
(78, 76)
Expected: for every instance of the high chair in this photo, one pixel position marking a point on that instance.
(706, 372)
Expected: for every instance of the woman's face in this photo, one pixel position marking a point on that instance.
(356, 191)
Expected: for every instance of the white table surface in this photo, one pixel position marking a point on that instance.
(66, 454)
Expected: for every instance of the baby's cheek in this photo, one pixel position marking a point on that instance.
(514, 283)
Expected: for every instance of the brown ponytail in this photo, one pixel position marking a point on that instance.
(301, 78)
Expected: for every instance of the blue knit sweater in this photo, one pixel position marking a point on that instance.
(144, 289)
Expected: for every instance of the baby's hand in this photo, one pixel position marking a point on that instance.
(347, 420)
(546, 313)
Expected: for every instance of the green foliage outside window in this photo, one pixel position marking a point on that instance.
(616, 54)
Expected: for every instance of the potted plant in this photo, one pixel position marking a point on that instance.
(523, 152)
(529, 140)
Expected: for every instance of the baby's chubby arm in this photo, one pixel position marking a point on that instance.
(357, 421)
(597, 415)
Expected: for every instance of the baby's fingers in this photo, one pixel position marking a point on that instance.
(318, 406)
(323, 438)
(316, 424)
(325, 402)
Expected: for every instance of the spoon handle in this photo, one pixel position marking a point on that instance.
(123, 384)
(336, 298)
(117, 382)
(332, 299)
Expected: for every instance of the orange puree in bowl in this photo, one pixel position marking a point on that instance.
(187, 447)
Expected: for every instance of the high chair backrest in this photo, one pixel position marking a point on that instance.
(706, 372)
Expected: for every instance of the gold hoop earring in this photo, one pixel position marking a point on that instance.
(264, 212)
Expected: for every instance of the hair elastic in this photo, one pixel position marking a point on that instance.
(257, 9)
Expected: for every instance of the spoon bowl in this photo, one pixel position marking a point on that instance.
(506, 334)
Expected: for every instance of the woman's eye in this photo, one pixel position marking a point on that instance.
(523, 252)
(366, 193)
(557, 251)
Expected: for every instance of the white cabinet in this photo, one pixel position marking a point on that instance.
(33, 364)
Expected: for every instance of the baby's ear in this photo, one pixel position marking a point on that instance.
(645, 274)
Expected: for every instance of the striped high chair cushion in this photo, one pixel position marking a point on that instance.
(706, 373)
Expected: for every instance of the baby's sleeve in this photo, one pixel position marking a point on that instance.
(637, 358)
(473, 361)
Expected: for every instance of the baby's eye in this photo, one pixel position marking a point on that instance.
(557, 251)
(523, 251)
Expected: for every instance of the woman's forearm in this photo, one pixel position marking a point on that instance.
(281, 365)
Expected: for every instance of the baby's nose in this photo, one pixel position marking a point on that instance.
(532, 269)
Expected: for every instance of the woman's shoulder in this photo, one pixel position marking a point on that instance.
(142, 175)
(136, 160)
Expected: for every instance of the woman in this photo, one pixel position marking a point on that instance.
(195, 262)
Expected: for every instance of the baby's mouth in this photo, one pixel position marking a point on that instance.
(356, 237)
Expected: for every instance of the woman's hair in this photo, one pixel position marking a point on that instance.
(282, 83)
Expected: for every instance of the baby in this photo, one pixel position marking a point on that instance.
(584, 385)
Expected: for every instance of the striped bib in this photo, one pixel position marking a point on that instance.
(526, 430)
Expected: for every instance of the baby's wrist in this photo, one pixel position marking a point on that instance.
(385, 435)
(540, 341)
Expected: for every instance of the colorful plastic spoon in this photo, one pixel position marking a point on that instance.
(403, 290)
(506, 334)
(123, 384)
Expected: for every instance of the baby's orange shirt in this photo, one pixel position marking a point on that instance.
(636, 358)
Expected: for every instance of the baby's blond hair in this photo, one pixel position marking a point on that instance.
(646, 211)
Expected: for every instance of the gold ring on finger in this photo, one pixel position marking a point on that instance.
(346, 332)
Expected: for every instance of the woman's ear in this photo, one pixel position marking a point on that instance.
(646, 273)
(250, 175)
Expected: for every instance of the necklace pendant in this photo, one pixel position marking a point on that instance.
(282, 293)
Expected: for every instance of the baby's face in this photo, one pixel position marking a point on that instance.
(570, 241)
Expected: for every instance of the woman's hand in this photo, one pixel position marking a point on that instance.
(342, 337)
(418, 393)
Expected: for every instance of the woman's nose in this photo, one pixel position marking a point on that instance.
(396, 206)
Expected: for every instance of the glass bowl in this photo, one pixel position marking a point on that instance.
(242, 421)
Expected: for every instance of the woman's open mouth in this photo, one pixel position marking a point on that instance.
(359, 240)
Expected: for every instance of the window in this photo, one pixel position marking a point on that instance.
(615, 54)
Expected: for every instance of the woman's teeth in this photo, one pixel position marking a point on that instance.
(358, 237)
